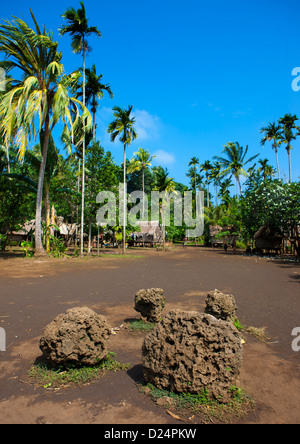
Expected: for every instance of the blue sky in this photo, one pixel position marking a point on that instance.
(198, 74)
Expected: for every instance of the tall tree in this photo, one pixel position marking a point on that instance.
(141, 161)
(207, 168)
(235, 162)
(163, 183)
(123, 127)
(94, 90)
(290, 131)
(266, 169)
(193, 171)
(77, 26)
(273, 132)
(36, 103)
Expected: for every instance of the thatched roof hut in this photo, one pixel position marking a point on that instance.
(151, 232)
(267, 239)
(64, 228)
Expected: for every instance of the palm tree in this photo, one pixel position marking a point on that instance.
(207, 167)
(273, 132)
(77, 26)
(265, 168)
(235, 162)
(215, 175)
(123, 127)
(141, 161)
(288, 126)
(34, 159)
(36, 103)
(163, 183)
(193, 170)
(94, 90)
(224, 193)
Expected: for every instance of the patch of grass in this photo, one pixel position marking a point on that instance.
(258, 333)
(201, 404)
(140, 325)
(238, 325)
(45, 375)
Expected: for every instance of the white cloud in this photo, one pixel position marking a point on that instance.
(164, 158)
(147, 125)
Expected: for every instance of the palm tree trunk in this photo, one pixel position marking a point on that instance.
(124, 203)
(78, 189)
(290, 163)
(90, 237)
(239, 185)
(208, 199)
(277, 161)
(143, 193)
(39, 249)
(94, 126)
(47, 214)
(83, 154)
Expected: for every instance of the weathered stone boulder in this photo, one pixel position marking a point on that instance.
(150, 303)
(190, 351)
(220, 305)
(77, 337)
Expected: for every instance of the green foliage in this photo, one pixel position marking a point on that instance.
(272, 203)
(26, 246)
(46, 376)
(3, 240)
(201, 403)
(59, 248)
(140, 325)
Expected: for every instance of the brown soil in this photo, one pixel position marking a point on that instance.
(33, 292)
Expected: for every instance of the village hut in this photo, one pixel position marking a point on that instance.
(151, 234)
(266, 239)
(65, 230)
(25, 233)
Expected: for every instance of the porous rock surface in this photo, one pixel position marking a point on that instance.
(190, 351)
(150, 303)
(77, 337)
(220, 305)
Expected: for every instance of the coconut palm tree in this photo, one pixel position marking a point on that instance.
(163, 183)
(265, 168)
(94, 90)
(273, 132)
(77, 26)
(35, 104)
(215, 176)
(224, 193)
(141, 161)
(290, 132)
(207, 168)
(123, 127)
(235, 162)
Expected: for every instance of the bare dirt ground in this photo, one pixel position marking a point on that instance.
(33, 292)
